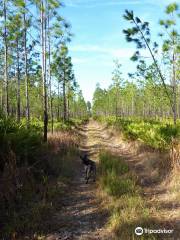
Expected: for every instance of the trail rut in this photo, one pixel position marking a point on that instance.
(82, 217)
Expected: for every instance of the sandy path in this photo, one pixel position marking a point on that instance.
(81, 217)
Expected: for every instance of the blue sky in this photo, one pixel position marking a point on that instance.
(97, 27)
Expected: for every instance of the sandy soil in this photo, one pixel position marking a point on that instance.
(82, 217)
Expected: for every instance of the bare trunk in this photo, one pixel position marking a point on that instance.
(116, 104)
(50, 83)
(132, 106)
(174, 91)
(64, 99)
(58, 116)
(6, 93)
(43, 43)
(2, 88)
(26, 72)
(18, 85)
(68, 109)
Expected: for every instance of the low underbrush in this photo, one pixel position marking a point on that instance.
(33, 176)
(123, 198)
(156, 134)
(68, 125)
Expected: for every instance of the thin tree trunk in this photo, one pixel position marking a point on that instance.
(50, 82)
(18, 85)
(116, 104)
(156, 65)
(43, 43)
(2, 88)
(26, 71)
(68, 108)
(6, 103)
(58, 116)
(132, 106)
(64, 99)
(174, 91)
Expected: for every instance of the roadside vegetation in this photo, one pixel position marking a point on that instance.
(144, 110)
(34, 176)
(41, 104)
(154, 133)
(122, 196)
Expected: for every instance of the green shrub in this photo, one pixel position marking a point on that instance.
(25, 143)
(61, 126)
(153, 133)
(117, 186)
(112, 166)
(38, 175)
(113, 170)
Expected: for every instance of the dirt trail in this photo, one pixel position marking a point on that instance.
(82, 217)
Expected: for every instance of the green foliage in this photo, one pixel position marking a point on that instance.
(114, 167)
(140, 34)
(68, 125)
(112, 171)
(127, 207)
(22, 141)
(156, 134)
(32, 173)
(171, 8)
(61, 126)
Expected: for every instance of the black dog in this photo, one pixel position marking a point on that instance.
(90, 168)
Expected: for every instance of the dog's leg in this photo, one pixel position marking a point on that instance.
(94, 173)
(88, 174)
(86, 169)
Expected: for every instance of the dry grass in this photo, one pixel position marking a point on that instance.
(162, 205)
(34, 203)
(60, 141)
(122, 197)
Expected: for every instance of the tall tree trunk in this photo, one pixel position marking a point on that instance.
(58, 113)
(116, 104)
(50, 82)
(68, 102)
(2, 88)
(6, 93)
(174, 90)
(43, 43)
(132, 106)
(68, 109)
(64, 98)
(18, 85)
(26, 70)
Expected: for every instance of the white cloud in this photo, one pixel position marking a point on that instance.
(121, 53)
(95, 3)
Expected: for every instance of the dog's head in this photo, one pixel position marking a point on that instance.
(84, 157)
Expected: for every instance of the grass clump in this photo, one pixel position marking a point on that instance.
(123, 198)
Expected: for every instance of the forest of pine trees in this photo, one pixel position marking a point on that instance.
(130, 130)
(39, 95)
(153, 91)
(37, 77)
